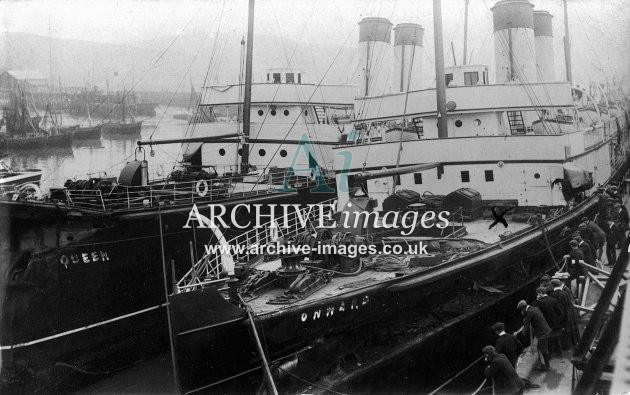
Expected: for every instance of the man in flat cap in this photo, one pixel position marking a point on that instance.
(534, 323)
(507, 344)
(553, 314)
(574, 268)
(598, 235)
(498, 368)
(564, 296)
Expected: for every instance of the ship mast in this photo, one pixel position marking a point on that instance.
(567, 44)
(248, 89)
(440, 83)
(465, 32)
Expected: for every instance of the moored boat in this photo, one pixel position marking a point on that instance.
(83, 290)
(529, 145)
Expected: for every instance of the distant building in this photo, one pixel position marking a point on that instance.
(28, 80)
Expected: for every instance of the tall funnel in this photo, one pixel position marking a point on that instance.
(407, 56)
(375, 50)
(514, 50)
(543, 33)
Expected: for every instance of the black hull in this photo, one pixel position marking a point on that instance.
(88, 132)
(83, 294)
(122, 129)
(62, 140)
(204, 339)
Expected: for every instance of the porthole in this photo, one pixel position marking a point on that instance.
(286, 113)
(273, 113)
(283, 153)
(477, 122)
(260, 112)
(222, 152)
(240, 151)
(458, 123)
(536, 175)
(262, 152)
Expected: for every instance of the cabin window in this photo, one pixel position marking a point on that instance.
(458, 123)
(477, 122)
(222, 152)
(485, 79)
(440, 171)
(417, 178)
(283, 153)
(267, 77)
(448, 78)
(397, 179)
(305, 113)
(536, 175)
(471, 78)
(489, 175)
(240, 151)
(290, 78)
(465, 176)
(273, 113)
(262, 152)
(299, 78)
(286, 113)
(276, 78)
(260, 113)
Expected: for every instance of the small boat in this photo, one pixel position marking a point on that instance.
(87, 132)
(124, 127)
(11, 180)
(23, 131)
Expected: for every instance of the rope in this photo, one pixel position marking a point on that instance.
(435, 391)
(310, 383)
(480, 387)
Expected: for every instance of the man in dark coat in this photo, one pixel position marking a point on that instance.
(570, 333)
(574, 268)
(534, 323)
(587, 250)
(507, 344)
(614, 235)
(553, 314)
(621, 216)
(599, 236)
(498, 368)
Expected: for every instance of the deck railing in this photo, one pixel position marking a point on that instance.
(176, 193)
(209, 269)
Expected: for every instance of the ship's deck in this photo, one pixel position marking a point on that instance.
(477, 230)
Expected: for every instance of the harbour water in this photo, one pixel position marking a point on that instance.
(103, 157)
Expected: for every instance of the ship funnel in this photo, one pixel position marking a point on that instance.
(514, 51)
(543, 33)
(375, 50)
(407, 56)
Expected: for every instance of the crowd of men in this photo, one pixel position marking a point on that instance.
(552, 318)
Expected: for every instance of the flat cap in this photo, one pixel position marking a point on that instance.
(521, 304)
(488, 350)
(584, 219)
(556, 282)
(498, 327)
(573, 243)
(546, 277)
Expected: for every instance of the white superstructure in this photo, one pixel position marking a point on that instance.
(519, 140)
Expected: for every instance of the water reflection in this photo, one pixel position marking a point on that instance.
(89, 157)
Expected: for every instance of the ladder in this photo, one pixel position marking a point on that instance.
(320, 114)
(515, 119)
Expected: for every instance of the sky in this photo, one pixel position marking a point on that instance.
(600, 29)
